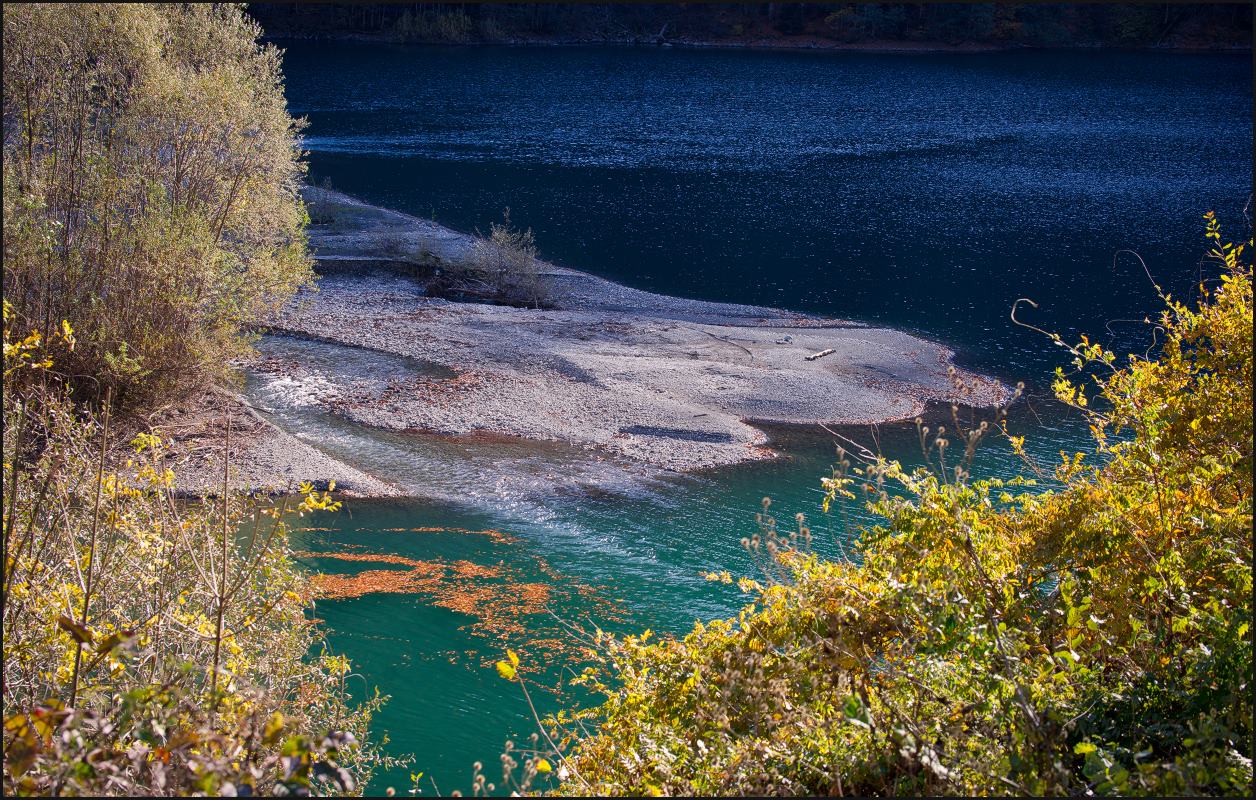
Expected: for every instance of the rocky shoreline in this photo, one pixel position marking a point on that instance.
(670, 384)
(263, 458)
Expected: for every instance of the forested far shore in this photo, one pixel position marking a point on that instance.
(809, 25)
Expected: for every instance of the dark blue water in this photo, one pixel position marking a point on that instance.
(922, 191)
(927, 192)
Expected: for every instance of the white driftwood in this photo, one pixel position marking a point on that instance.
(820, 354)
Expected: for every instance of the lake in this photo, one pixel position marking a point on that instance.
(926, 192)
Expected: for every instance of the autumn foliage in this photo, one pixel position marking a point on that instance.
(988, 637)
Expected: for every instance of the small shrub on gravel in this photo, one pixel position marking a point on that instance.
(502, 268)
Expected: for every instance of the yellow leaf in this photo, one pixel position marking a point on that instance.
(543, 766)
(505, 670)
(274, 726)
(514, 659)
(81, 633)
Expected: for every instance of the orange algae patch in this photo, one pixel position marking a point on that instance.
(469, 569)
(382, 558)
(339, 587)
(500, 537)
(502, 605)
(496, 612)
(499, 612)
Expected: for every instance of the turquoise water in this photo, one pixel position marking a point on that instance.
(623, 561)
(927, 192)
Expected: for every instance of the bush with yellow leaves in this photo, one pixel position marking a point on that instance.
(153, 646)
(988, 638)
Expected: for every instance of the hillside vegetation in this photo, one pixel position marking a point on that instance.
(987, 638)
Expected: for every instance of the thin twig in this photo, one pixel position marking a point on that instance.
(222, 585)
(91, 550)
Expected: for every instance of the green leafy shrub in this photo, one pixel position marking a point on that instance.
(151, 175)
(988, 638)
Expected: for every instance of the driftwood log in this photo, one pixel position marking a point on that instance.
(820, 354)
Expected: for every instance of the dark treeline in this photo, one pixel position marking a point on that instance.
(814, 24)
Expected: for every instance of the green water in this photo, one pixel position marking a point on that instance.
(623, 560)
(926, 192)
